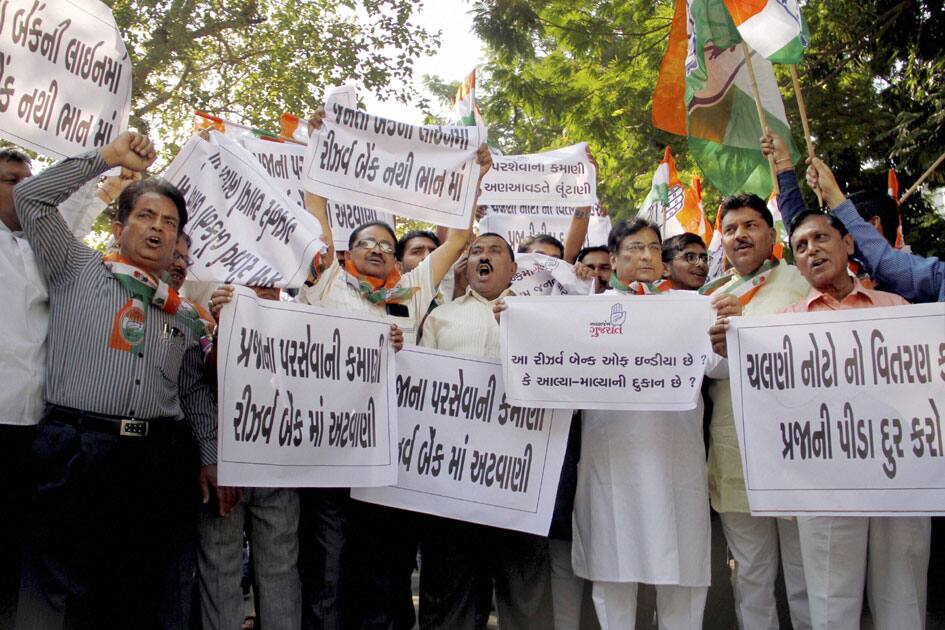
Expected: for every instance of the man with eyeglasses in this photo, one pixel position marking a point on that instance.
(764, 286)
(686, 261)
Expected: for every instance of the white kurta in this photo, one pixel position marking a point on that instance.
(641, 512)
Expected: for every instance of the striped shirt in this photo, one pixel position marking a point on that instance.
(165, 379)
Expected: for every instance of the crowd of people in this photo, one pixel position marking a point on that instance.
(109, 428)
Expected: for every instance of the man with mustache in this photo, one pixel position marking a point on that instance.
(457, 556)
(764, 286)
(113, 455)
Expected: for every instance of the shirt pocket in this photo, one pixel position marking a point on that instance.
(171, 356)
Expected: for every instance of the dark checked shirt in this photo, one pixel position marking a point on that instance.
(163, 380)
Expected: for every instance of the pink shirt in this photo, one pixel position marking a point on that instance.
(859, 297)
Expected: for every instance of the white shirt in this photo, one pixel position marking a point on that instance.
(466, 325)
(26, 312)
(23, 334)
(332, 291)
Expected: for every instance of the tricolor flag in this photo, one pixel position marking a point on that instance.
(717, 264)
(465, 109)
(692, 216)
(782, 244)
(775, 29)
(892, 189)
(292, 127)
(721, 119)
(203, 120)
(665, 198)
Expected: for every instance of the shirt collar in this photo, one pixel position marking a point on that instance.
(858, 289)
(472, 294)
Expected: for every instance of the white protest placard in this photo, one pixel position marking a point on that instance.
(563, 177)
(65, 76)
(464, 452)
(840, 413)
(427, 173)
(345, 217)
(606, 351)
(283, 162)
(244, 229)
(517, 223)
(306, 397)
(538, 274)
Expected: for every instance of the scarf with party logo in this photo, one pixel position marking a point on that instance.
(857, 271)
(639, 288)
(129, 324)
(743, 287)
(376, 290)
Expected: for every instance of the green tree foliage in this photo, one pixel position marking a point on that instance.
(560, 71)
(250, 60)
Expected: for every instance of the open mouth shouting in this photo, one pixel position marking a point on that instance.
(154, 242)
(484, 269)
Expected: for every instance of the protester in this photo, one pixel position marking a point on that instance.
(542, 244)
(458, 555)
(120, 414)
(641, 513)
(764, 286)
(686, 261)
(597, 260)
(413, 248)
(913, 277)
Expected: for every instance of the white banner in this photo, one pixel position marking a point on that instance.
(538, 274)
(606, 351)
(840, 413)
(306, 397)
(464, 452)
(563, 177)
(427, 173)
(244, 229)
(517, 223)
(345, 217)
(65, 76)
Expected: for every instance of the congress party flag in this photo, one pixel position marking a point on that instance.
(465, 109)
(775, 29)
(892, 189)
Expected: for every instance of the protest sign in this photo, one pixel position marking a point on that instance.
(517, 223)
(538, 274)
(840, 413)
(243, 228)
(65, 76)
(606, 351)
(283, 162)
(465, 452)
(563, 177)
(427, 173)
(306, 396)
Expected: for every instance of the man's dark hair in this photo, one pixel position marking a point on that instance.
(590, 250)
(401, 246)
(876, 203)
(356, 232)
(14, 155)
(626, 228)
(129, 196)
(498, 236)
(186, 238)
(674, 245)
(835, 223)
(547, 239)
(746, 200)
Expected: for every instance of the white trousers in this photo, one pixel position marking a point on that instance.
(834, 553)
(677, 607)
(567, 589)
(898, 571)
(754, 543)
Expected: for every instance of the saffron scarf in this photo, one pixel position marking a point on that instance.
(376, 290)
(128, 326)
(743, 287)
(639, 288)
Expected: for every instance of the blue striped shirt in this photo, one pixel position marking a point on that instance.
(164, 379)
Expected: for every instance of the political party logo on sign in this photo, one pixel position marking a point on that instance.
(613, 326)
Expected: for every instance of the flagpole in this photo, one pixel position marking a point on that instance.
(761, 113)
(919, 181)
(804, 122)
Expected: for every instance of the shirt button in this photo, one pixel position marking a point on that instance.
(140, 355)
(137, 381)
